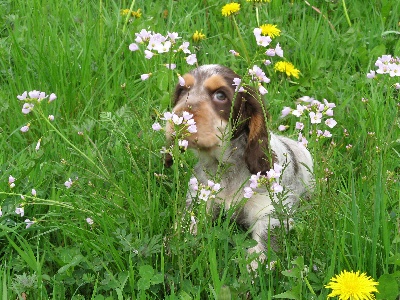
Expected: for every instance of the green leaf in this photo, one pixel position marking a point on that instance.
(74, 261)
(378, 51)
(388, 287)
(146, 272)
(143, 284)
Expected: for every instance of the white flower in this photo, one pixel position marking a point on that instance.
(89, 221)
(38, 145)
(145, 76)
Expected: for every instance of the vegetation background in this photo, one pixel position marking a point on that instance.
(79, 51)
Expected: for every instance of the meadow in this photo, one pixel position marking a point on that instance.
(89, 211)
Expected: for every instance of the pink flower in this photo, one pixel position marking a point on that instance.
(327, 134)
(276, 187)
(184, 47)
(29, 223)
(25, 128)
(204, 194)
(315, 117)
(34, 94)
(156, 126)
(234, 52)
(170, 66)
(371, 74)
(187, 116)
(191, 59)
(330, 123)
(397, 86)
(193, 184)
(262, 90)
(33, 192)
(148, 54)
(270, 52)
(248, 192)
(299, 125)
(68, 183)
(282, 127)
(173, 36)
(183, 144)
(237, 82)
(133, 47)
(11, 179)
(89, 221)
(181, 81)
(27, 108)
(20, 211)
(285, 111)
(52, 97)
(51, 118)
(23, 96)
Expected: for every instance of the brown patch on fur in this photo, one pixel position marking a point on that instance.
(257, 125)
(214, 83)
(189, 80)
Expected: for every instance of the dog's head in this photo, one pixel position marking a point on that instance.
(209, 94)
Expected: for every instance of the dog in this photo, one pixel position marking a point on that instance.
(232, 143)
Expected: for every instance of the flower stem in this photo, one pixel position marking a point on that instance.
(345, 12)
(128, 16)
(241, 40)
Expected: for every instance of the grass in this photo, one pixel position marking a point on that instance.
(79, 50)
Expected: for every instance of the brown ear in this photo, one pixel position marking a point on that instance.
(257, 153)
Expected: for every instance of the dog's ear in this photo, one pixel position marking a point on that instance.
(250, 118)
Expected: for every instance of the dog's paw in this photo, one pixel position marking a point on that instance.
(256, 261)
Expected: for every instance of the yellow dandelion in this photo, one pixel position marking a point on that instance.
(351, 286)
(137, 14)
(259, 1)
(287, 67)
(198, 36)
(270, 30)
(124, 12)
(230, 9)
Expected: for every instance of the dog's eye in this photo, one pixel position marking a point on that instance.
(219, 96)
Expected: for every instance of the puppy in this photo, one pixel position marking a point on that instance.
(232, 143)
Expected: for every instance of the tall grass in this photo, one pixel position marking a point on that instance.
(138, 246)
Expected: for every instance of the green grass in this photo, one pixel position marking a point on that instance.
(133, 250)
